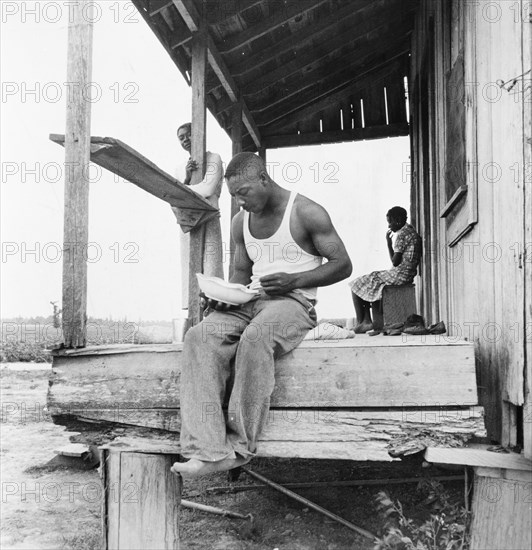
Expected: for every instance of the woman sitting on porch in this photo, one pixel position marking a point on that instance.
(404, 247)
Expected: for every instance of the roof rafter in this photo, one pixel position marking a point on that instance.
(346, 39)
(268, 25)
(352, 9)
(190, 15)
(366, 73)
(311, 84)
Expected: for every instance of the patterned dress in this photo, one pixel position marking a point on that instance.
(408, 242)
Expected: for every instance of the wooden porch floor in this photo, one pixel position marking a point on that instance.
(356, 399)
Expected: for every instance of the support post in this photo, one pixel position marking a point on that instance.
(77, 157)
(199, 120)
(236, 138)
(142, 498)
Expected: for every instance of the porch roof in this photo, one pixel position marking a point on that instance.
(307, 71)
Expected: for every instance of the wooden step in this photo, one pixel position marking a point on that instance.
(415, 371)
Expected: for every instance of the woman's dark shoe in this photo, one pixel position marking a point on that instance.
(415, 325)
(437, 328)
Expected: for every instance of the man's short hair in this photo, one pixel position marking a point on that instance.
(243, 164)
(186, 125)
(397, 213)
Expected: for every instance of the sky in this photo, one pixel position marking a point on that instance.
(139, 96)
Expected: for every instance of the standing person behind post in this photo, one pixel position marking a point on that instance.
(281, 239)
(209, 188)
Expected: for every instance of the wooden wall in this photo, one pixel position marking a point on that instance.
(475, 264)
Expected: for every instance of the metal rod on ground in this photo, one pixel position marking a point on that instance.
(310, 504)
(214, 510)
(347, 483)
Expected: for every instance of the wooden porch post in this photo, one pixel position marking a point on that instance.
(77, 156)
(236, 137)
(199, 119)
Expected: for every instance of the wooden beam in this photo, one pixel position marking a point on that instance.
(161, 6)
(281, 17)
(198, 139)
(77, 157)
(337, 136)
(236, 138)
(190, 14)
(164, 38)
(318, 433)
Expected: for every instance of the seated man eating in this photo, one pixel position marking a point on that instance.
(405, 252)
(281, 239)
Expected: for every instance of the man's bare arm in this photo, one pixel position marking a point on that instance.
(328, 244)
(243, 266)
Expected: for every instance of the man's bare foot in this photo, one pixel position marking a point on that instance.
(362, 328)
(196, 468)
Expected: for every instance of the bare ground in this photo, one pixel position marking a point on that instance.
(50, 506)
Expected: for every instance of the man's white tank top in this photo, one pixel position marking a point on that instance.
(279, 253)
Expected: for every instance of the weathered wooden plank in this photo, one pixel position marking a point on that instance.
(478, 457)
(148, 495)
(226, 79)
(77, 152)
(336, 136)
(338, 375)
(236, 138)
(198, 148)
(395, 98)
(526, 253)
(124, 161)
(508, 137)
(318, 425)
(501, 514)
(344, 450)
(374, 106)
(361, 341)
(111, 517)
(332, 120)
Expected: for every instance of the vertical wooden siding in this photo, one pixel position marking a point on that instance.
(478, 285)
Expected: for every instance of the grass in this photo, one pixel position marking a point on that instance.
(30, 340)
(88, 538)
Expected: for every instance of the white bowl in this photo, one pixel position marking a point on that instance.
(233, 294)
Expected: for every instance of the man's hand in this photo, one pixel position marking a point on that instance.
(208, 305)
(278, 283)
(192, 166)
(389, 236)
